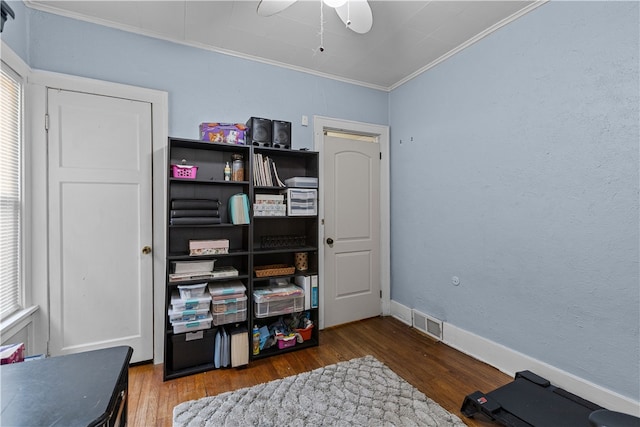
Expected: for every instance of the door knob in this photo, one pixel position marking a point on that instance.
(329, 241)
(146, 250)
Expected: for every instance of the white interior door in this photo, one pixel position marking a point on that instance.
(100, 219)
(352, 285)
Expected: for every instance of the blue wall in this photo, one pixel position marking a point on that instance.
(202, 85)
(522, 180)
(16, 31)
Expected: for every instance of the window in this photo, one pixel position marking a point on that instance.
(10, 191)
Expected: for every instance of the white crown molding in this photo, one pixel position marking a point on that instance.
(135, 30)
(469, 42)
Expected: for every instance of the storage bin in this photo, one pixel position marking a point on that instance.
(192, 349)
(229, 317)
(187, 315)
(191, 326)
(286, 342)
(184, 171)
(229, 305)
(302, 202)
(302, 182)
(284, 306)
(179, 304)
(192, 291)
(208, 247)
(277, 300)
(231, 287)
(305, 333)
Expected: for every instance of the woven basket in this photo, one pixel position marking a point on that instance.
(274, 270)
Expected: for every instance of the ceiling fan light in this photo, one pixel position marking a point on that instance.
(334, 3)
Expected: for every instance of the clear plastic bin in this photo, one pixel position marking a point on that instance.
(188, 315)
(192, 291)
(282, 306)
(179, 304)
(191, 326)
(230, 287)
(229, 317)
(228, 305)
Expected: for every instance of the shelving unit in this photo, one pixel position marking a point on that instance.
(246, 247)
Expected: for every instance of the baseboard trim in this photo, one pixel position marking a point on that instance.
(510, 361)
(400, 312)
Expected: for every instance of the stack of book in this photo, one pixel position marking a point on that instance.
(264, 172)
(194, 212)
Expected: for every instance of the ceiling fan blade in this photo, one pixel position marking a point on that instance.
(271, 7)
(359, 13)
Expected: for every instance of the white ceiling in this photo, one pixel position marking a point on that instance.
(407, 37)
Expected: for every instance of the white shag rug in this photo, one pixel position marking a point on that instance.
(359, 392)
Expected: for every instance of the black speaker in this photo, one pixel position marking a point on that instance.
(281, 134)
(259, 132)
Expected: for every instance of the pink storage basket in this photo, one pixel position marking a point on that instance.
(184, 171)
(286, 342)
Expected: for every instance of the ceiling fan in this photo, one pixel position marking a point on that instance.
(356, 14)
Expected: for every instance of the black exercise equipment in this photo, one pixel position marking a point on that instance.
(531, 401)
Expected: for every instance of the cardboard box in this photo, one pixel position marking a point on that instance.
(231, 133)
(12, 353)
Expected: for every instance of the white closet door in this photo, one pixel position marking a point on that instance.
(100, 221)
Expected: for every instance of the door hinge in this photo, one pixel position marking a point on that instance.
(380, 293)
(46, 122)
(381, 155)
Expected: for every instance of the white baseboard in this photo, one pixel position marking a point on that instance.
(510, 361)
(400, 312)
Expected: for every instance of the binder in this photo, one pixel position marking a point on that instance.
(225, 349)
(216, 349)
(314, 291)
(239, 346)
(305, 283)
(239, 208)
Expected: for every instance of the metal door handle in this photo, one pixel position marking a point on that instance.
(146, 250)
(329, 241)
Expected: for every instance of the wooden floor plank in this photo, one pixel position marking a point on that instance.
(442, 373)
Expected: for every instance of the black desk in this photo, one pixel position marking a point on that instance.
(83, 389)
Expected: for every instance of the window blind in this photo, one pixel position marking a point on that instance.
(10, 191)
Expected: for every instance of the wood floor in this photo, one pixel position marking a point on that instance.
(442, 373)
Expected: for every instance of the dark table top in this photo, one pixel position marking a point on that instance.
(73, 390)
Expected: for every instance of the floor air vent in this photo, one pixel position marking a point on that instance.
(427, 324)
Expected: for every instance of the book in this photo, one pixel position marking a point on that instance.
(314, 291)
(195, 204)
(305, 283)
(225, 350)
(239, 209)
(239, 345)
(179, 213)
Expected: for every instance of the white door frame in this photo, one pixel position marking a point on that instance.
(36, 96)
(320, 125)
